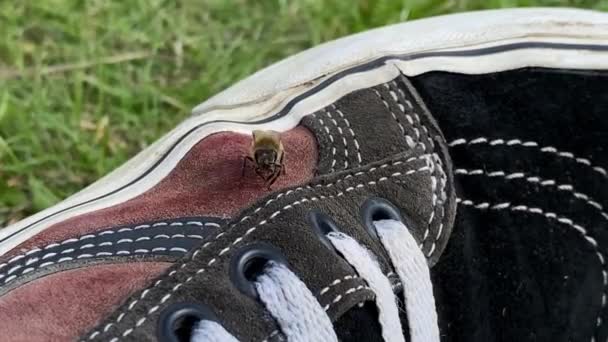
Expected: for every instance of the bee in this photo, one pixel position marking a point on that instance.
(267, 155)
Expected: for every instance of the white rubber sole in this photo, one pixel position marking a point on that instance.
(279, 96)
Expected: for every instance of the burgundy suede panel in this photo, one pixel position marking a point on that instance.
(206, 182)
(62, 306)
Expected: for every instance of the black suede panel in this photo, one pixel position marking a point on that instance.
(527, 257)
(553, 106)
(360, 324)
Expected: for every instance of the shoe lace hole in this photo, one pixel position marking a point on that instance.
(249, 263)
(177, 321)
(377, 209)
(322, 225)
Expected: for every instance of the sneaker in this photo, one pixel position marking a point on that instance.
(443, 179)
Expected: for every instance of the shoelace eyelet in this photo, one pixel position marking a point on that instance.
(249, 262)
(178, 320)
(376, 209)
(322, 225)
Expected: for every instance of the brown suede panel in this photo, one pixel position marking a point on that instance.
(62, 306)
(206, 182)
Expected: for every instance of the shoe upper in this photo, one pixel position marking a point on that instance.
(498, 178)
(360, 156)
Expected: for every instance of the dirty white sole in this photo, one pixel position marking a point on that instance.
(279, 96)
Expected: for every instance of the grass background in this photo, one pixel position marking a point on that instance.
(84, 85)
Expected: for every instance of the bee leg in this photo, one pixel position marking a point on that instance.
(245, 159)
(281, 167)
(273, 171)
(258, 171)
(277, 169)
(273, 178)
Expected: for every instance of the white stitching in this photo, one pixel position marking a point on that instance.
(408, 139)
(341, 135)
(331, 139)
(561, 219)
(335, 283)
(545, 149)
(12, 270)
(81, 256)
(85, 237)
(352, 134)
(34, 250)
(373, 169)
(339, 297)
(537, 180)
(442, 200)
(436, 202)
(402, 108)
(252, 229)
(18, 257)
(412, 144)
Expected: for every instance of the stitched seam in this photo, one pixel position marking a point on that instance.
(408, 139)
(331, 139)
(560, 219)
(251, 230)
(106, 232)
(416, 122)
(336, 283)
(338, 181)
(413, 144)
(344, 142)
(89, 255)
(539, 181)
(352, 133)
(438, 202)
(338, 298)
(434, 186)
(544, 149)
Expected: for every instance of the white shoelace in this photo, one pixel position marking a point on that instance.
(294, 307)
(301, 317)
(365, 264)
(210, 331)
(413, 271)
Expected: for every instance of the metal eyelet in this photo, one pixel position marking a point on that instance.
(376, 209)
(322, 225)
(249, 263)
(177, 321)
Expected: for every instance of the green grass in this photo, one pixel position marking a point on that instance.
(87, 84)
